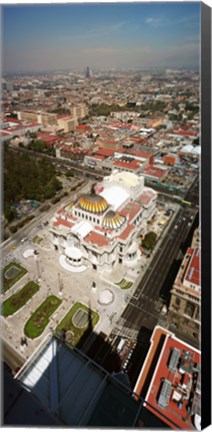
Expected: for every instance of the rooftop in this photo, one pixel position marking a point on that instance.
(193, 272)
(153, 171)
(172, 383)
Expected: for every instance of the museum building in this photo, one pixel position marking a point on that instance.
(100, 229)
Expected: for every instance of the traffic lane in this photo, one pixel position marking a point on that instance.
(145, 308)
(164, 240)
(137, 317)
(163, 252)
(161, 268)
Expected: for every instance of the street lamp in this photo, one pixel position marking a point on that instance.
(37, 265)
(60, 284)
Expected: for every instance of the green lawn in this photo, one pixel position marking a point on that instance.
(37, 323)
(37, 239)
(7, 283)
(16, 301)
(67, 322)
(124, 284)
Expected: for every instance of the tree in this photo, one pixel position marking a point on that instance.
(149, 240)
(10, 213)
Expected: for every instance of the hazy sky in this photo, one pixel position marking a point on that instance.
(45, 37)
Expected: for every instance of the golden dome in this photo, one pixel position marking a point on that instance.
(93, 203)
(113, 220)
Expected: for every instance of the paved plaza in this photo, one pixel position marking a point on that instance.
(71, 287)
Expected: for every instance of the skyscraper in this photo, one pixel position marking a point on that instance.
(88, 72)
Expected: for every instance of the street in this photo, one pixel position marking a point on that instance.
(144, 307)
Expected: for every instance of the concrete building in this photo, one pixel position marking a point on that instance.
(67, 123)
(170, 381)
(196, 240)
(80, 111)
(185, 302)
(13, 127)
(100, 229)
(122, 160)
(40, 117)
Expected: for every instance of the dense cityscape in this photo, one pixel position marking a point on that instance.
(101, 249)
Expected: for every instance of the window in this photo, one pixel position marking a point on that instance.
(197, 314)
(177, 301)
(189, 310)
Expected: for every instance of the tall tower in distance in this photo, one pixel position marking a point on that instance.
(88, 72)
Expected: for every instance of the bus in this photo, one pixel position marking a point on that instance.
(186, 202)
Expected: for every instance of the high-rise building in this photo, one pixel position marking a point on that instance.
(88, 72)
(73, 390)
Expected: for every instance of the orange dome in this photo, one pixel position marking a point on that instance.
(93, 203)
(113, 220)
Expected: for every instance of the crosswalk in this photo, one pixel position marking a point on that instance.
(144, 298)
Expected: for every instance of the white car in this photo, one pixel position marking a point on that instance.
(24, 239)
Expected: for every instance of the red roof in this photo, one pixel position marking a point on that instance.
(133, 165)
(48, 138)
(180, 379)
(147, 196)
(193, 272)
(154, 171)
(3, 133)
(11, 120)
(105, 152)
(189, 133)
(63, 222)
(97, 239)
(144, 155)
(130, 210)
(122, 125)
(185, 132)
(61, 116)
(124, 235)
(83, 128)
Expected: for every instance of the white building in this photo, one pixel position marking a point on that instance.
(101, 228)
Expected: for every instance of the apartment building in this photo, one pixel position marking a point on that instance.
(79, 111)
(185, 302)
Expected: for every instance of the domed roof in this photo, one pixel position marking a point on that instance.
(113, 220)
(93, 203)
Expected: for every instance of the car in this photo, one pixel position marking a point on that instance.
(24, 239)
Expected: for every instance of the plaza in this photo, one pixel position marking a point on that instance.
(106, 292)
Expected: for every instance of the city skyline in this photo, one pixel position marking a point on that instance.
(105, 36)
